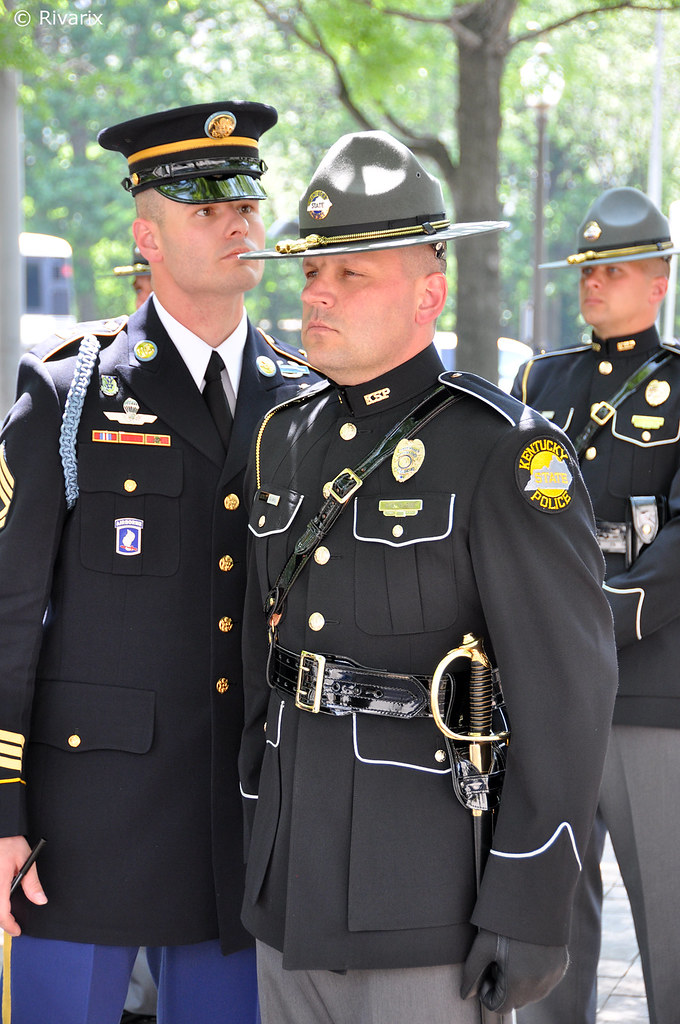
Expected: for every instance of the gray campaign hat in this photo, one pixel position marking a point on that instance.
(621, 226)
(370, 192)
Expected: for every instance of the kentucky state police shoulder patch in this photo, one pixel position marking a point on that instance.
(544, 475)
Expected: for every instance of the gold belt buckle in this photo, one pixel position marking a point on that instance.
(342, 498)
(595, 413)
(308, 692)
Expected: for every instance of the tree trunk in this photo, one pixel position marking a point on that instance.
(476, 197)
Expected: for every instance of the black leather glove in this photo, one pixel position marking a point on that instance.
(506, 973)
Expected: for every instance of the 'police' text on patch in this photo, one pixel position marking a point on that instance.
(544, 475)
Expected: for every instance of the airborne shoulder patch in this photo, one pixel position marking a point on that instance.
(544, 475)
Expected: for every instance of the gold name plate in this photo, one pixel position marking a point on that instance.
(400, 509)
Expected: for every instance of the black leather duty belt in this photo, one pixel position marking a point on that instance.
(339, 686)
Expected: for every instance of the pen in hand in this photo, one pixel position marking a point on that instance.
(26, 865)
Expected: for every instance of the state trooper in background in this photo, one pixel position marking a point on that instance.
(361, 878)
(122, 578)
(618, 398)
(140, 272)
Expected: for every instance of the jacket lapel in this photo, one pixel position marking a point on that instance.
(164, 386)
(257, 393)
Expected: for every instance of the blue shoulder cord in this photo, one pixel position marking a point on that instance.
(85, 363)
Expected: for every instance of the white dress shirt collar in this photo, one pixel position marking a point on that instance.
(196, 353)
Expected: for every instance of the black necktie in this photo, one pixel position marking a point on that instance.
(216, 399)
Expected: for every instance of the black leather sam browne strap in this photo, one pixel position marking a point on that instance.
(602, 412)
(342, 488)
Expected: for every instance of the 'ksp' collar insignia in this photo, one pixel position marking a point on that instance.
(129, 536)
(544, 476)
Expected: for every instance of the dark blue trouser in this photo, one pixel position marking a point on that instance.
(78, 983)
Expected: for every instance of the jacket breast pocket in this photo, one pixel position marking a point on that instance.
(645, 449)
(130, 509)
(561, 416)
(79, 717)
(405, 581)
(271, 516)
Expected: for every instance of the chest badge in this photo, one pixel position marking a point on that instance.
(108, 385)
(131, 414)
(657, 391)
(407, 459)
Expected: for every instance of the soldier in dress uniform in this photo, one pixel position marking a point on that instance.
(618, 399)
(442, 514)
(122, 579)
(140, 272)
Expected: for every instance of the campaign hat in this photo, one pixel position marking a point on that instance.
(370, 192)
(205, 153)
(621, 226)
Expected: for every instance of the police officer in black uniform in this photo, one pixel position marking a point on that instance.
(618, 398)
(470, 525)
(122, 578)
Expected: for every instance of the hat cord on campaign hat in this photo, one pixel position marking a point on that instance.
(314, 241)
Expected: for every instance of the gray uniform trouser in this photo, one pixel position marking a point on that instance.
(640, 807)
(413, 995)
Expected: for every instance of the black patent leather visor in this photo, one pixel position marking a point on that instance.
(212, 190)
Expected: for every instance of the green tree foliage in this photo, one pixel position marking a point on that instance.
(438, 74)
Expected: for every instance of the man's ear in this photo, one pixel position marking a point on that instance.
(659, 288)
(144, 233)
(432, 298)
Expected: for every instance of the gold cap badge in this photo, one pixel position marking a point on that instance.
(220, 125)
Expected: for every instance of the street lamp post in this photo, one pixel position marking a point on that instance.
(543, 83)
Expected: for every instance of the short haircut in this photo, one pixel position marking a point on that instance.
(150, 205)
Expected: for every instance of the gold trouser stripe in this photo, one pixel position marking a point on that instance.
(6, 979)
(181, 147)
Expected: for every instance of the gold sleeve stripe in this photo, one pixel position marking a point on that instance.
(13, 763)
(6, 486)
(12, 737)
(11, 750)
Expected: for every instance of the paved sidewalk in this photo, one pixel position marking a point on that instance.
(621, 990)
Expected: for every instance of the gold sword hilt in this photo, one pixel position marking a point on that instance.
(481, 694)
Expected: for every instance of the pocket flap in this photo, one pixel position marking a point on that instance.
(273, 511)
(126, 469)
(90, 716)
(399, 522)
